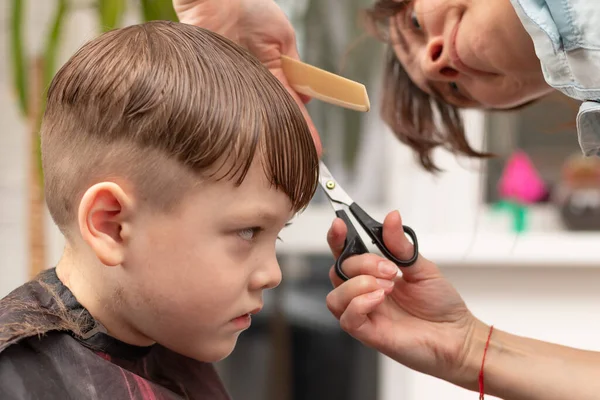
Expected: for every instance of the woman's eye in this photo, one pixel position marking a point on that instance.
(414, 20)
(248, 233)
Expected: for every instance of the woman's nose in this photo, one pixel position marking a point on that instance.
(436, 61)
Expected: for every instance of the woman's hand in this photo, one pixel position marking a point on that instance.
(417, 319)
(260, 26)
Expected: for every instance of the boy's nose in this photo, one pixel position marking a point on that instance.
(268, 276)
(436, 61)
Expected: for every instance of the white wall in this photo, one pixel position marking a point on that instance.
(12, 173)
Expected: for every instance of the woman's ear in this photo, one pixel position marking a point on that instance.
(104, 218)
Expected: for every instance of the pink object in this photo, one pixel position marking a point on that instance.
(520, 180)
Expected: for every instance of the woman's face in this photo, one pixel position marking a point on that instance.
(475, 53)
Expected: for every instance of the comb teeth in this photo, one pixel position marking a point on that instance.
(325, 86)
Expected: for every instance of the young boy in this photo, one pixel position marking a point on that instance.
(172, 160)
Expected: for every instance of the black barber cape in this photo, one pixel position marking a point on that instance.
(52, 348)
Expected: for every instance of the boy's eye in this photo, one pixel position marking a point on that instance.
(414, 20)
(248, 233)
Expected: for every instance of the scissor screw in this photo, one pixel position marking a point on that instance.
(330, 184)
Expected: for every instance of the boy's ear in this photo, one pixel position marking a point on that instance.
(104, 218)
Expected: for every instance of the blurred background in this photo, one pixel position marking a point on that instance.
(528, 263)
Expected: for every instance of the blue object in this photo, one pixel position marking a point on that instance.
(566, 36)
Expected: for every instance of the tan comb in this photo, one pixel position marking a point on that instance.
(325, 86)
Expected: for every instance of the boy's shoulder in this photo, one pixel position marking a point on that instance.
(23, 314)
(28, 327)
(34, 367)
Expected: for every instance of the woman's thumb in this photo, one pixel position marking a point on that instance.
(401, 247)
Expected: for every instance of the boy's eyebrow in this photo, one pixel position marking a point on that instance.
(270, 217)
(267, 215)
(254, 213)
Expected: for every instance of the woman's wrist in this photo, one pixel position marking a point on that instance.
(478, 348)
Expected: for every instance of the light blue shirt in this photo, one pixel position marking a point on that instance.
(566, 36)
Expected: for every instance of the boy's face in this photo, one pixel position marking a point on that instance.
(191, 278)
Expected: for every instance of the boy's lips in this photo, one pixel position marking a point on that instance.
(243, 321)
(253, 312)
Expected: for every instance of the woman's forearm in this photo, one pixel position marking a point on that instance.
(519, 368)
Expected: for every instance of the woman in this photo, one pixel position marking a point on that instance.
(497, 54)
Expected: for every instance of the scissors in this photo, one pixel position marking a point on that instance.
(354, 244)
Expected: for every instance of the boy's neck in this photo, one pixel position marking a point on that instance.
(95, 294)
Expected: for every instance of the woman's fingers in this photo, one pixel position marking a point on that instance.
(336, 237)
(398, 243)
(394, 237)
(339, 298)
(365, 264)
(370, 264)
(355, 318)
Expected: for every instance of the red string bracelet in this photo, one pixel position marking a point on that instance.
(487, 343)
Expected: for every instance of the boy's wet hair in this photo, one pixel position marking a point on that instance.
(143, 101)
(421, 120)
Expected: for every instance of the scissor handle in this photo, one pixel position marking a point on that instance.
(375, 231)
(352, 246)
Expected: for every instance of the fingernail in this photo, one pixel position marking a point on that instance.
(385, 283)
(387, 268)
(376, 295)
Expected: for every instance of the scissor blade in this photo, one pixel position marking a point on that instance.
(331, 187)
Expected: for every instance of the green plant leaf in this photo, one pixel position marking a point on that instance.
(110, 13)
(52, 43)
(158, 10)
(49, 67)
(18, 59)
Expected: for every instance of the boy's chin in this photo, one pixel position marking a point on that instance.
(215, 352)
